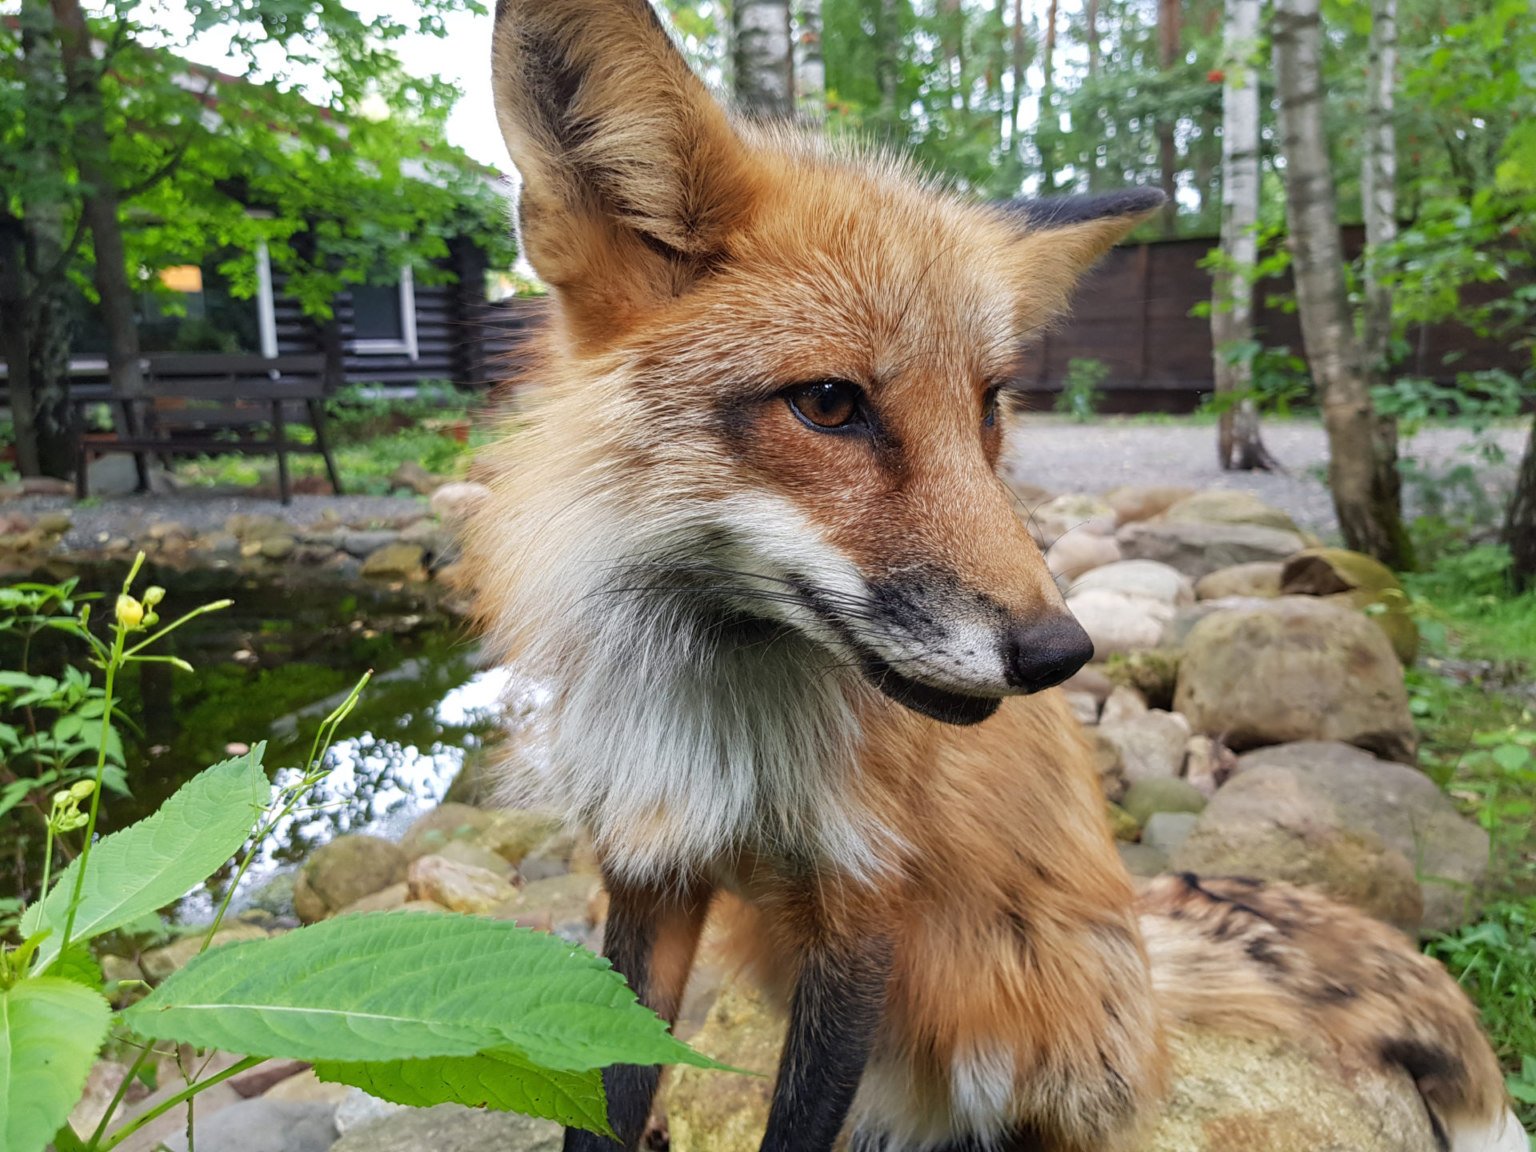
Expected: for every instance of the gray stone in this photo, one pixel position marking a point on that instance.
(1080, 552)
(1085, 708)
(1118, 623)
(1161, 794)
(1150, 746)
(1070, 513)
(452, 1128)
(1402, 806)
(1141, 859)
(262, 1125)
(398, 561)
(343, 872)
(1260, 578)
(458, 887)
(1122, 704)
(364, 543)
(1230, 506)
(1144, 578)
(1165, 831)
(454, 501)
(1200, 547)
(158, 963)
(1132, 503)
(1297, 668)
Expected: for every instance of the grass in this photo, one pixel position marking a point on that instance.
(1473, 695)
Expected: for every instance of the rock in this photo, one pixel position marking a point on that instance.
(1122, 824)
(1117, 623)
(158, 963)
(476, 856)
(448, 821)
(1225, 506)
(45, 486)
(453, 1128)
(363, 543)
(306, 1087)
(518, 831)
(1124, 703)
(1176, 632)
(262, 1125)
(1208, 764)
(413, 476)
(458, 887)
(1092, 679)
(1138, 503)
(1200, 547)
(1141, 859)
(1151, 746)
(276, 895)
(1154, 672)
(1079, 552)
(1268, 824)
(1295, 669)
(1364, 583)
(1085, 708)
(221, 544)
(1260, 578)
(711, 1111)
(1111, 768)
(101, 1086)
(343, 872)
(1165, 831)
(1145, 578)
(396, 562)
(1161, 794)
(1072, 513)
(454, 501)
(384, 900)
(255, 526)
(358, 1110)
(1231, 1094)
(561, 904)
(53, 523)
(1402, 806)
(277, 547)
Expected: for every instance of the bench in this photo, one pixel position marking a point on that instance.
(196, 404)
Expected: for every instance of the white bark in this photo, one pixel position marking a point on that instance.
(810, 68)
(1232, 306)
(1378, 180)
(762, 61)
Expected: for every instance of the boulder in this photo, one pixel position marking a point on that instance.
(452, 1128)
(448, 821)
(1360, 581)
(276, 547)
(158, 963)
(343, 872)
(1142, 503)
(398, 561)
(1151, 746)
(1141, 859)
(53, 523)
(1161, 794)
(1154, 672)
(1074, 513)
(458, 887)
(45, 486)
(260, 1125)
(1165, 831)
(1144, 578)
(1401, 805)
(1092, 679)
(1108, 762)
(1208, 764)
(561, 904)
(1200, 547)
(475, 855)
(1122, 704)
(1261, 578)
(1079, 552)
(1084, 706)
(1296, 668)
(1177, 630)
(1268, 824)
(1122, 825)
(1224, 506)
(1117, 623)
(384, 900)
(454, 501)
(1229, 1093)
(710, 1111)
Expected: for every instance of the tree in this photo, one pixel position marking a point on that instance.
(1362, 472)
(98, 130)
(1170, 34)
(1239, 445)
(810, 68)
(762, 66)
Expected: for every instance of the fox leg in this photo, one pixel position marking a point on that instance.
(836, 1010)
(651, 936)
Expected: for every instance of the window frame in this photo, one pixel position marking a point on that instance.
(407, 344)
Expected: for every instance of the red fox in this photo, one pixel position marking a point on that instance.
(799, 645)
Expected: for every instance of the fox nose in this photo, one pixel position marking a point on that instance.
(1043, 653)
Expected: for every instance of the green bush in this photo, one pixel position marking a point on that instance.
(1080, 397)
(525, 1022)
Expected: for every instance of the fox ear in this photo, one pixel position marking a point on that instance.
(1061, 237)
(632, 174)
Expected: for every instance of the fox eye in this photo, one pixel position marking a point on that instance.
(989, 406)
(826, 404)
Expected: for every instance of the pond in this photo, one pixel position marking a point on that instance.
(268, 669)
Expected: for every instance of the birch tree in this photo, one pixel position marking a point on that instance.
(810, 67)
(1362, 472)
(1239, 445)
(762, 64)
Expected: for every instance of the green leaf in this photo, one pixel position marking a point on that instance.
(1511, 757)
(409, 985)
(159, 859)
(499, 1078)
(50, 1030)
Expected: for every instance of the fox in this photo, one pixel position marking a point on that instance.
(746, 530)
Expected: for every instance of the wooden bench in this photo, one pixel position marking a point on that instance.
(196, 404)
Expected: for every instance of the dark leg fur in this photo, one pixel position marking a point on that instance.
(837, 1005)
(650, 938)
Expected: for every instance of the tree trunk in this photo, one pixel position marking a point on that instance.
(1169, 38)
(1238, 444)
(1017, 64)
(888, 65)
(92, 153)
(810, 67)
(762, 62)
(1362, 480)
(1047, 124)
(1520, 525)
(1091, 34)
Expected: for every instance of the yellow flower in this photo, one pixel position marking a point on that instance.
(130, 613)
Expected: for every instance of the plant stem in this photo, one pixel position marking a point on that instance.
(181, 1097)
(216, 606)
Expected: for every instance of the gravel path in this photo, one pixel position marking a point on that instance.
(1060, 456)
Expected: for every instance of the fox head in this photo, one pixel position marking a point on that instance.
(774, 372)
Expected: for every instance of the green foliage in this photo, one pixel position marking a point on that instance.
(50, 1030)
(1080, 397)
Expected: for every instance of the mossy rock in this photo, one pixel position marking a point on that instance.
(1154, 672)
(1161, 794)
(1361, 581)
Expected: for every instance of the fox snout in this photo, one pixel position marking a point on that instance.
(1040, 654)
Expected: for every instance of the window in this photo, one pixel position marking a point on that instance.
(384, 317)
(185, 308)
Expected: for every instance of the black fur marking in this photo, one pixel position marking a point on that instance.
(1263, 952)
(1060, 211)
(838, 1002)
(1424, 1062)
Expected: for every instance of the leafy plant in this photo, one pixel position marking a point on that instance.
(414, 1007)
(1080, 396)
